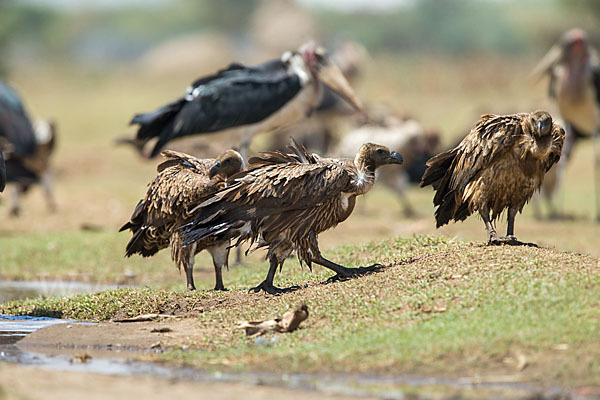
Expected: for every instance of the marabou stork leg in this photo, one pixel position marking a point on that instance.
(188, 266)
(267, 284)
(344, 273)
(220, 256)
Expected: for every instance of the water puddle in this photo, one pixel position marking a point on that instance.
(389, 387)
(21, 290)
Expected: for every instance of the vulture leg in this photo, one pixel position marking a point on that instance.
(267, 284)
(220, 256)
(189, 267)
(489, 227)
(510, 228)
(344, 273)
(15, 194)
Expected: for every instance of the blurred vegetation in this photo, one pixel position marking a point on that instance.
(30, 30)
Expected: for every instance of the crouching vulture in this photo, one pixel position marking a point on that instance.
(497, 166)
(284, 201)
(182, 181)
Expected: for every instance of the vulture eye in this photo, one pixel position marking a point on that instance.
(226, 161)
(380, 151)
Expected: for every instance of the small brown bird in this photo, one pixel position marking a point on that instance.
(182, 181)
(497, 166)
(284, 202)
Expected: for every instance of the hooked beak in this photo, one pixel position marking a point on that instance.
(396, 158)
(539, 128)
(333, 77)
(550, 59)
(215, 169)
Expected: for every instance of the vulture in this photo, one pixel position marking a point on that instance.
(2, 172)
(243, 101)
(497, 166)
(26, 147)
(573, 67)
(284, 201)
(182, 181)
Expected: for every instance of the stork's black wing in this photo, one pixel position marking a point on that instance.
(16, 132)
(233, 97)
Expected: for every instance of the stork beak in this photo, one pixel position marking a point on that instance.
(552, 57)
(333, 77)
(396, 158)
(215, 169)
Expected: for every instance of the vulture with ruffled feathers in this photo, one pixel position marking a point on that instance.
(182, 181)
(284, 201)
(497, 166)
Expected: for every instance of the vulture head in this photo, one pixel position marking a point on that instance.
(227, 164)
(371, 156)
(542, 123)
(317, 62)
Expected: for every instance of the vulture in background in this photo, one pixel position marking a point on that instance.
(26, 148)
(2, 172)
(284, 201)
(497, 166)
(182, 181)
(243, 101)
(573, 67)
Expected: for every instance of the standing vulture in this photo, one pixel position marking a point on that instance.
(182, 181)
(573, 67)
(283, 202)
(26, 149)
(244, 100)
(497, 166)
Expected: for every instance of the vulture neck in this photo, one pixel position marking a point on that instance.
(365, 173)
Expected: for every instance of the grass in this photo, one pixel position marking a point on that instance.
(442, 307)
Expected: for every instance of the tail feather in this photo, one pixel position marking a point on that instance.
(158, 123)
(438, 175)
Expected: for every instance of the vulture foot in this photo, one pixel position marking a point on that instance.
(349, 273)
(495, 240)
(220, 288)
(269, 288)
(191, 287)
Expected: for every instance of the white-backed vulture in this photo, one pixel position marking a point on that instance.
(182, 181)
(573, 68)
(284, 202)
(497, 166)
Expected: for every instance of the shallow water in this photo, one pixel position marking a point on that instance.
(21, 290)
(12, 329)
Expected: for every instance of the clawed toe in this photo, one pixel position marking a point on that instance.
(269, 288)
(500, 240)
(350, 273)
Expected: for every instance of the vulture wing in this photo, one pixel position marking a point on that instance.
(182, 180)
(273, 198)
(16, 132)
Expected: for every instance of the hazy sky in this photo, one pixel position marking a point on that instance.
(347, 5)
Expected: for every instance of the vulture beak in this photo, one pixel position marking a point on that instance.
(396, 158)
(333, 77)
(215, 169)
(539, 127)
(552, 57)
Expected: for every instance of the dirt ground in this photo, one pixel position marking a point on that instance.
(44, 384)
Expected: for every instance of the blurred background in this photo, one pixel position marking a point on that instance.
(90, 66)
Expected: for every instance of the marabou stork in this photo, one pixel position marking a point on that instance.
(573, 67)
(243, 101)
